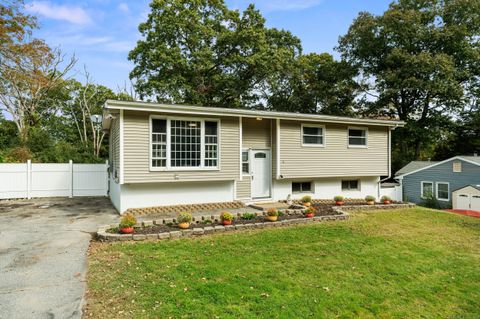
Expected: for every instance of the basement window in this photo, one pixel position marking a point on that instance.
(302, 187)
(351, 185)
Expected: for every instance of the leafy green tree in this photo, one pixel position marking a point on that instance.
(200, 52)
(419, 58)
(315, 83)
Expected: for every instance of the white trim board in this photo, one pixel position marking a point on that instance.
(439, 163)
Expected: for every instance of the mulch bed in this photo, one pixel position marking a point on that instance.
(322, 210)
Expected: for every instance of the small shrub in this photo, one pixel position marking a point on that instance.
(385, 198)
(128, 220)
(249, 216)
(206, 221)
(280, 214)
(431, 202)
(369, 198)
(306, 199)
(272, 212)
(338, 198)
(226, 216)
(184, 217)
(310, 210)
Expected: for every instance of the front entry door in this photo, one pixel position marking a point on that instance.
(261, 173)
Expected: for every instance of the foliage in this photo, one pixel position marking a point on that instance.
(430, 258)
(385, 198)
(338, 198)
(128, 220)
(369, 198)
(249, 216)
(306, 199)
(18, 154)
(202, 53)
(430, 201)
(272, 212)
(418, 60)
(310, 210)
(227, 216)
(184, 217)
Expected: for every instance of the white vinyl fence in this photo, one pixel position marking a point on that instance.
(394, 192)
(29, 180)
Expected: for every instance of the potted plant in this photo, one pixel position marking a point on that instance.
(226, 218)
(370, 200)
(184, 220)
(307, 201)
(386, 200)
(310, 212)
(126, 224)
(339, 200)
(272, 214)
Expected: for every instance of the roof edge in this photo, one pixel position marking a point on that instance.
(203, 110)
(458, 157)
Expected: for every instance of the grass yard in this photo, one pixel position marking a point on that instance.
(413, 263)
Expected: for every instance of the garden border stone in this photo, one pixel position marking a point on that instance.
(342, 214)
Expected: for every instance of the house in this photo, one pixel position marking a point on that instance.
(177, 154)
(420, 179)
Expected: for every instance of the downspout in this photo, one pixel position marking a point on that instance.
(389, 160)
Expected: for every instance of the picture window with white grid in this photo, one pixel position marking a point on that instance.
(178, 143)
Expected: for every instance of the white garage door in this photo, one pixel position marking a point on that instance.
(469, 202)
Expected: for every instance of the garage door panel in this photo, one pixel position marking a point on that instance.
(463, 201)
(475, 202)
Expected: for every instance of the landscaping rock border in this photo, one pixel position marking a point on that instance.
(103, 235)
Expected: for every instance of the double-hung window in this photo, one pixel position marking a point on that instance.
(313, 135)
(357, 137)
(427, 189)
(181, 143)
(443, 191)
(245, 162)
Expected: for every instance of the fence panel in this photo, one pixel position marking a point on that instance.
(13, 181)
(53, 180)
(394, 192)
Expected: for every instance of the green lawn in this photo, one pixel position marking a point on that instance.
(414, 263)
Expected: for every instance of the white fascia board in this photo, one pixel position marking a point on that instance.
(202, 110)
(439, 163)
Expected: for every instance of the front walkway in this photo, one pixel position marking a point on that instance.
(43, 254)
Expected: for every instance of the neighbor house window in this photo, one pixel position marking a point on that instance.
(178, 143)
(350, 185)
(313, 135)
(457, 167)
(245, 162)
(427, 189)
(301, 187)
(443, 191)
(357, 137)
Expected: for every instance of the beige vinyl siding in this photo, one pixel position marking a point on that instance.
(244, 188)
(335, 159)
(114, 154)
(137, 151)
(256, 134)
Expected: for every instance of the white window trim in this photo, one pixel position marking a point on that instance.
(324, 135)
(311, 191)
(358, 189)
(448, 191)
(421, 188)
(357, 128)
(202, 166)
(249, 151)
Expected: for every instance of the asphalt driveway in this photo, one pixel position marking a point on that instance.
(43, 254)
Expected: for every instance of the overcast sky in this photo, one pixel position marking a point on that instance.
(102, 32)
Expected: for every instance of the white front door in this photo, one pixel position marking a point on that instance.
(261, 173)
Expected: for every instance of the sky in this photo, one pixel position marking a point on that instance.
(101, 32)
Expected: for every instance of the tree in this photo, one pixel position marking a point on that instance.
(420, 58)
(315, 83)
(29, 69)
(202, 53)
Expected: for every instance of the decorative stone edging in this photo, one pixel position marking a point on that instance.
(103, 235)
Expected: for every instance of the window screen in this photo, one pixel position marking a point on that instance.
(357, 137)
(312, 135)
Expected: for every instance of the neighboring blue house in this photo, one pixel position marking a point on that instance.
(440, 179)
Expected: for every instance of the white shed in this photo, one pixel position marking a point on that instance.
(467, 197)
